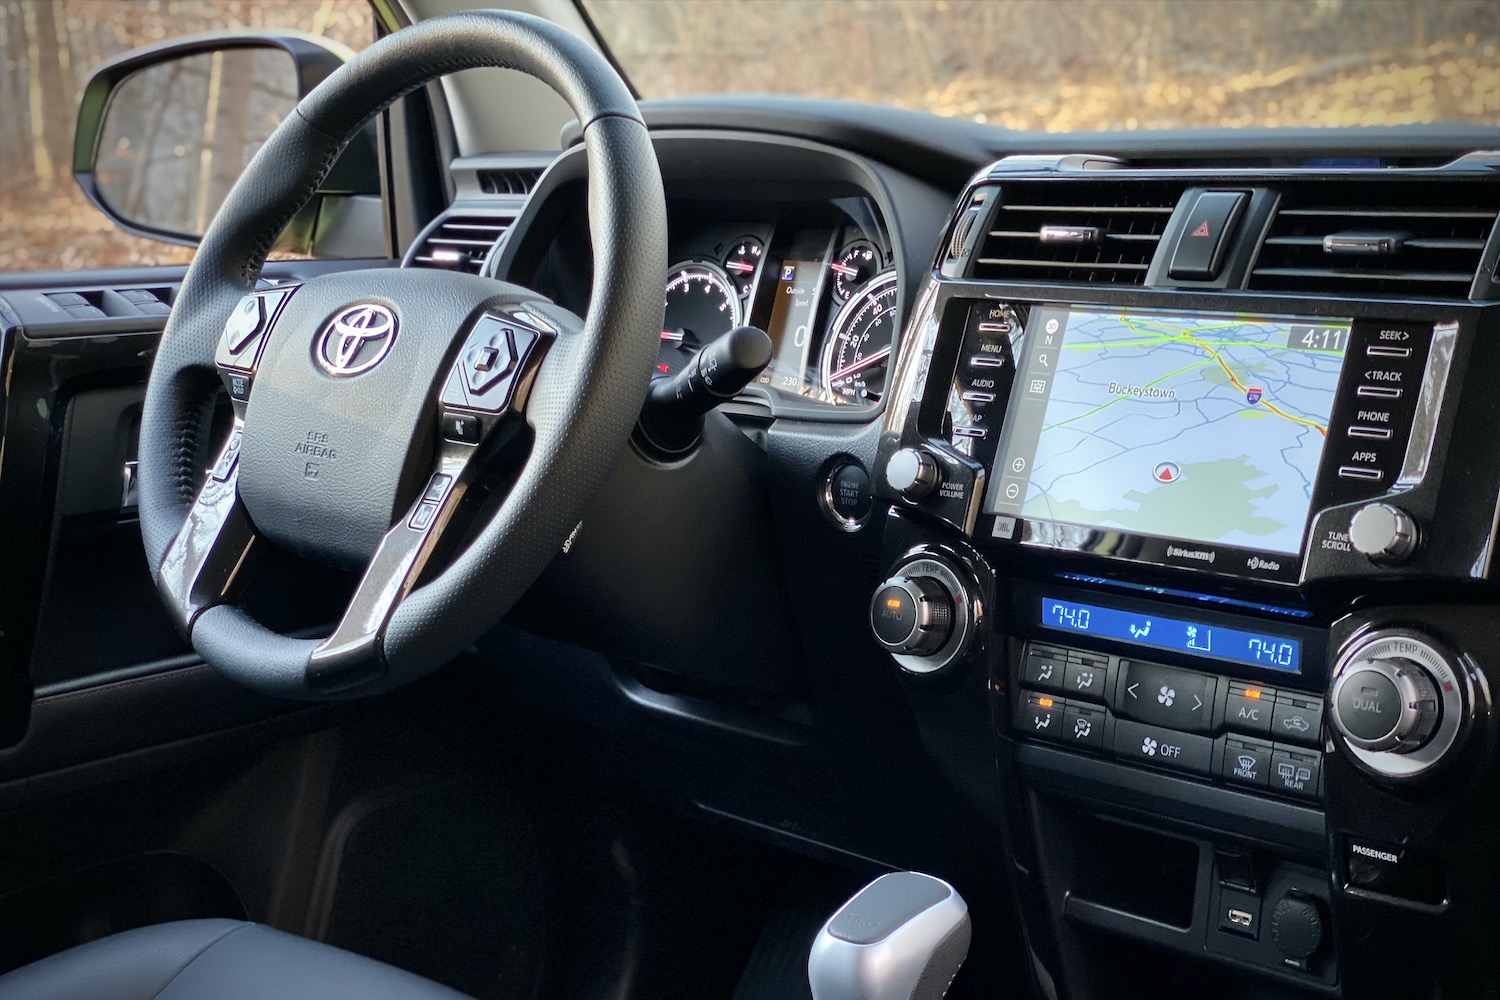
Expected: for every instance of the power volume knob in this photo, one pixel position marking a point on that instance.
(912, 615)
(912, 473)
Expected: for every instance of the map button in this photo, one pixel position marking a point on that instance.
(1205, 234)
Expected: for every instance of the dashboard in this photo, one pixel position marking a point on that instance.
(822, 284)
(1110, 500)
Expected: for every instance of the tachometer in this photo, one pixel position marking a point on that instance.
(859, 344)
(702, 303)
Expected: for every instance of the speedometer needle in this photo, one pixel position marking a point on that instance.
(863, 363)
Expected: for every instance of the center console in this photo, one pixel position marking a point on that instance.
(1196, 473)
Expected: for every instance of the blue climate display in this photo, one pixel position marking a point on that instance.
(1255, 649)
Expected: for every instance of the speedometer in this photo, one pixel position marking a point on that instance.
(702, 304)
(859, 344)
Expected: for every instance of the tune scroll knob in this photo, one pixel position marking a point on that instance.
(912, 473)
(1383, 533)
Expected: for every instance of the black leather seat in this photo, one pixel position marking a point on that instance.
(213, 960)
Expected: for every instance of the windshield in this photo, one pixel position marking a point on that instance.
(1064, 65)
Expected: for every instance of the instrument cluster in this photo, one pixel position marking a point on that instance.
(821, 281)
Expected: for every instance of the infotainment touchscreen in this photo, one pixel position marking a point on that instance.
(1204, 428)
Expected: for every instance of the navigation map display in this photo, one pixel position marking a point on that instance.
(1200, 427)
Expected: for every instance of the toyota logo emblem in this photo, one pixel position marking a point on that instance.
(357, 339)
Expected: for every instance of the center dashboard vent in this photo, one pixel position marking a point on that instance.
(1422, 238)
(1076, 231)
(458, 242)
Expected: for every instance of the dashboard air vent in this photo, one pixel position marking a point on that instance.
(1076, 231)
(1421, 238)
(512, 182)
(459, 242)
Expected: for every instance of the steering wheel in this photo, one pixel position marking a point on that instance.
(367, 404)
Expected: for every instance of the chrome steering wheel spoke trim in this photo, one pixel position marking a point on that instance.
(203, 563)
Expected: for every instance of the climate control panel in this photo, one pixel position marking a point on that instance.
(1197, 724)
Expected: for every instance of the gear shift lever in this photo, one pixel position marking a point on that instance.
(902, 937)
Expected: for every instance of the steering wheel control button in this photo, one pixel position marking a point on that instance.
(245, 324)
(424, 515)
(483, 377)
(847, 495)
(228, 459)
(437, 486)
(912, 473)
(1206, 232)
(238, 384)
(1295, 771)
(1044, 717)
(1165, 696)
(1383, 533)
(1297, 718)
(244, 336)
(1163, 747)
(463, 428)
(1247, 761)
(1249, 708)
(487, 361)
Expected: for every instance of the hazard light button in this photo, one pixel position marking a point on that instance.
(1210, 224)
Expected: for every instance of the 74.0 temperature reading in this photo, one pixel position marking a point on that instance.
(1275, 652)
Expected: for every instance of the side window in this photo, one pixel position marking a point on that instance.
(51, 48)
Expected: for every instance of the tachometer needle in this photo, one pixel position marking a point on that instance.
(860, 365)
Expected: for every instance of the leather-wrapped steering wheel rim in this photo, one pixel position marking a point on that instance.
(581, 407)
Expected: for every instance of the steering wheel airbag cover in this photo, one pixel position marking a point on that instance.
(584, 403)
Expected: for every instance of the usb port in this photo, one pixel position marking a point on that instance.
(1240, 918)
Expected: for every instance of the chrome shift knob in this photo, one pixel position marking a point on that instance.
(902, 937)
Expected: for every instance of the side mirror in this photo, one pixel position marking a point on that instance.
(165, 131)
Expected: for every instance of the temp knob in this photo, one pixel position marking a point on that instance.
(1385, 705)
(912, 473)
(1383, 533)
(912, 615)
